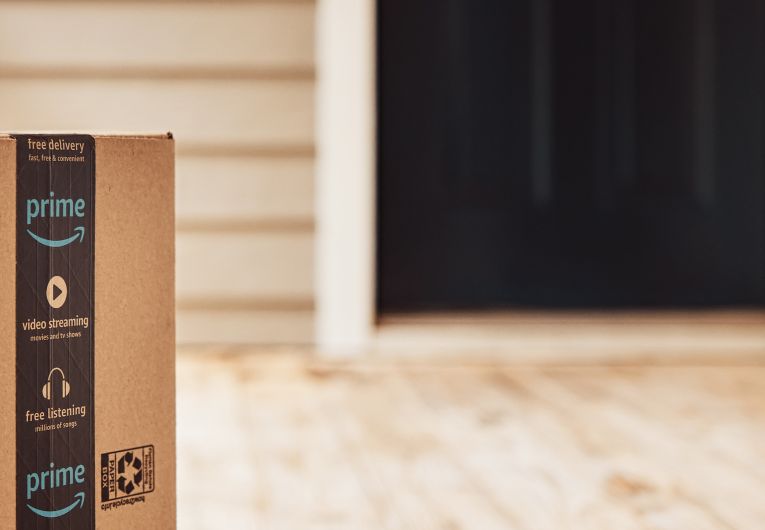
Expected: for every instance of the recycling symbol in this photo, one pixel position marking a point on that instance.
(130, 473)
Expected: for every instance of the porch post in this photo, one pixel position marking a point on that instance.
(345, 173)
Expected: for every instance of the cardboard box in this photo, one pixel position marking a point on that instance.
(87, 333)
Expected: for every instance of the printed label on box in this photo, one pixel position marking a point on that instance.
(127, 473)
(55, 197)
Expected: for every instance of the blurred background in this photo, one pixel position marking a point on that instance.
(235, 82)
(444, 264)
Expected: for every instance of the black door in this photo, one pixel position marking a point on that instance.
(550, 153)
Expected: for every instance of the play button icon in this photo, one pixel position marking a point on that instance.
(56, 292)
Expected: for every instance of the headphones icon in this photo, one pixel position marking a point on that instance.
(46, 389)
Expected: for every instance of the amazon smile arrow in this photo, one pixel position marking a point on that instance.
(79, 234)
(79, 499)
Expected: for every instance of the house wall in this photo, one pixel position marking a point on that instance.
(234, 80)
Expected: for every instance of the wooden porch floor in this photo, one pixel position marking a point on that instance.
(282, 441)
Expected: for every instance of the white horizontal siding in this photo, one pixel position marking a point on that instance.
(223, 189)
(106, 35)
(213, 112)
(245, 266)
(245, 327)
(234, 81)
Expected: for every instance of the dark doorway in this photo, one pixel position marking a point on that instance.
(558, 154)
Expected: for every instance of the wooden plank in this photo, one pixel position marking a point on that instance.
(433, 446)
(692, 479)
(220, 113)
(214, 189)
(197, 326)
(250, 480)
(109, 35)
(426, 465)
(243, 267)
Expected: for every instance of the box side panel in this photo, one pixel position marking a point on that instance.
(8, 331)
(135, 331)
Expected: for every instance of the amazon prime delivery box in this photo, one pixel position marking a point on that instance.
(87, 336)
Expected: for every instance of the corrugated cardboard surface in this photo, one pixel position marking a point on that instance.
(134, 313)
(7, 331)
(135, 331)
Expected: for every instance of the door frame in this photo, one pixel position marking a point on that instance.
(347, 323)
(346, 139)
